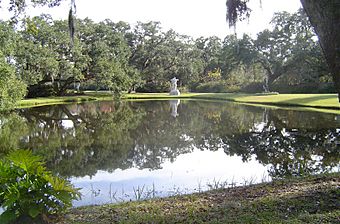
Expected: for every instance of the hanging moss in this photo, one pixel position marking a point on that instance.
(71, 25)
(71, 21)
(237, 10)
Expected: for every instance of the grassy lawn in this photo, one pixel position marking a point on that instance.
(320, 102)
(310, 100)
(41, 101)
(302, 200)
(324, 102)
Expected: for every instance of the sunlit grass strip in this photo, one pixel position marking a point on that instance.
(42, 101)
(326, 101)
(323, 101)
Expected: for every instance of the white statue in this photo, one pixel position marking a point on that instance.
(174, 90)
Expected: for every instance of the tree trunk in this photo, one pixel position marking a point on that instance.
(324, 16)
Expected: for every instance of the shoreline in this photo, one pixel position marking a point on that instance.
(313, 199)
(317, 101)
(327, 103)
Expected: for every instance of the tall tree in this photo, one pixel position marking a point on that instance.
(12, 88)
(324, 15)
(44, 55)
(288, 47)
(325, 18)
(210, 51)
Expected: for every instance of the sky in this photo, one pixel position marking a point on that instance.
(188, 17)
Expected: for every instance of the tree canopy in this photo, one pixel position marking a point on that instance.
(41, 58)
(324, 16)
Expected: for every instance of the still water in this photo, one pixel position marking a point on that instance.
(121, 151)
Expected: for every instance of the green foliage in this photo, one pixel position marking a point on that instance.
(29, 191)
(9, 139)
(214, 75)
(154, 87)
(216, 87)
(289, 51)
(309, 87)
(118, 57)
(11, 89)
(254, 87)
(40, 91)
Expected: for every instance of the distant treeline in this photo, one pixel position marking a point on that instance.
(38, 58)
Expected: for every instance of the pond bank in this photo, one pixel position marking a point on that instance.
(43, 101)
(320, 102)
(299, 200)
(327, 102)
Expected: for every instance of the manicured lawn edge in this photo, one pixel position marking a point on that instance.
(312, 100)
(312, 199)
(43, 101)
(321, 101)
(327, 102)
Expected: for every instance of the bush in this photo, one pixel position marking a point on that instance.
(216, 87)
(255, 87)
(40, 90)
(183, 89)
(11, 88)
(154, 87)
(28, 192)
(305, 88)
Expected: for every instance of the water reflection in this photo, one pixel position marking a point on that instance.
(143, 141)
(173, 106)
(205, 170)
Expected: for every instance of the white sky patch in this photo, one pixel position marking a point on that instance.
(188, 168)
(189, 17)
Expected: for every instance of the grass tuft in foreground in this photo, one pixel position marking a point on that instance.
(301, 200)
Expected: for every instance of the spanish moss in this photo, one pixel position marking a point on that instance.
(237, 10)
(71, 25)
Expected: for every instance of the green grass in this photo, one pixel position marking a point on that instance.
(302, 200)
(319, 102)
(325, 102)
(42, 101)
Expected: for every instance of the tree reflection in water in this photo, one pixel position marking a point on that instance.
(80, 139)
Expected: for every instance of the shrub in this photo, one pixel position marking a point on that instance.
(29, 192)
(40, 90)
(304, 88)
(11, 88)
(154, 87)
(255, 87)
(183, 89)
(216, 87)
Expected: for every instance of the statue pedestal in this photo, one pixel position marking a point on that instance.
(175, 92)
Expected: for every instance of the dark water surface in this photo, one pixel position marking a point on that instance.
(119, 151)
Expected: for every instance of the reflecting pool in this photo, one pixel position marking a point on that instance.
(131, 150)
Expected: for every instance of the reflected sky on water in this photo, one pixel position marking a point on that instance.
(126, 150)
(191, 172)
